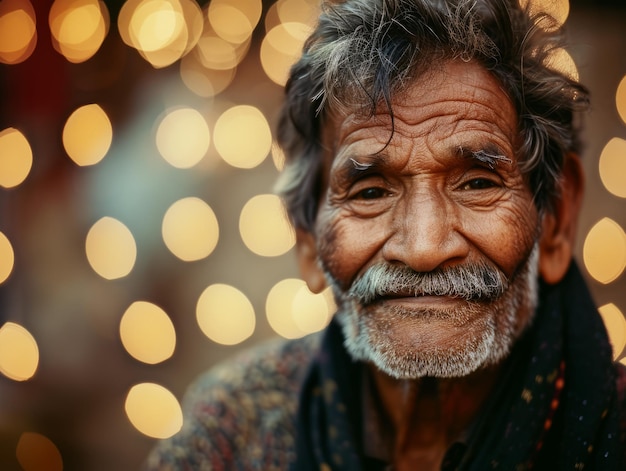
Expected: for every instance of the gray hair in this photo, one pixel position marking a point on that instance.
(363, 52)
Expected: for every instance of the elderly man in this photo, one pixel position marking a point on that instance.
(433, 179)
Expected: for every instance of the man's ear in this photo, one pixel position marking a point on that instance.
(306, 251)
(559, 226)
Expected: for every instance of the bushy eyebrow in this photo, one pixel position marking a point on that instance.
(353, 169)
(489, 155)
(360, 165)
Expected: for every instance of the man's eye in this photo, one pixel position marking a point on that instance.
(370, 193)
(478, 184)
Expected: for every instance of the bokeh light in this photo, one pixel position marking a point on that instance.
(264, 226)
(280, 48)
(217, 54)
(615, 326)
(201, 80)
(229, 23)
(16, 158)
(19, 353)
(35, 452)
(612, 167)
(162, 31)
(620, 99)
(292, 11)
(278, 157)
(7, 258)
(271, 17)
(73, 379)
(154, 410)
(312, 311)
(78, 27)
(234, 20)
(147, 333)
(561, 61)
(111, 249)
(18, 31)
(297, 11)
(190, 229)
(225, 315)
(183, 137)
(87, 135)
(242, 136)
(293, 311)
(557, 9)
(604, 251)
(279, 308)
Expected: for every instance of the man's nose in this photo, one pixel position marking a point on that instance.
(426, 233)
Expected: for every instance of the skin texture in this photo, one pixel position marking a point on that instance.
(423, 201)
(443, 191)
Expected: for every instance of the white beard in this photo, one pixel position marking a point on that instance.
(493, 328)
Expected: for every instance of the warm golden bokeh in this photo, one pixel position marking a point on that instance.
(201, 80)
(242, 136)
(280, 48)
(278, 157)
(279, 308)
(147, 333)
(153, 410)
(110, 248)
(297, 11)
(615, 326)
(264, 226)
(561, 61)
(190, 229)
(312, 312)
(612, 167)
(19, 353)
(199, 126)
(162, 31)
(7, 258)
(225, 314)
(183, 137)
(234, 20)
(16, 158)
(557, 9)
(35, 452)
(620, 99)
(604, 251)
(87, 135)
(271, 17)
(217, 54)
(78, 27)
(18, 33)
(229, 23)
(293, 311)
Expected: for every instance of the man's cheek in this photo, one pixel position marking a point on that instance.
(505, 237)
(346, 248)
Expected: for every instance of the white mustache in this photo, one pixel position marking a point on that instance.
(471, 282)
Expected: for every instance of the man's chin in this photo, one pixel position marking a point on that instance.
(439, 337)
(408, 349)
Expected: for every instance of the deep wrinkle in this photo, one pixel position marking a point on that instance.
(446, 191)
(490, 155)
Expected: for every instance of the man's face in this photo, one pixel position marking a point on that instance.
(430, 239)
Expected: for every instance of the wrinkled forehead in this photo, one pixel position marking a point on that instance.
(463, 96)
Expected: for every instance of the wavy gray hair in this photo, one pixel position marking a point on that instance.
(363, 52)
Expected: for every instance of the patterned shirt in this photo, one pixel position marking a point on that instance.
(241, 414)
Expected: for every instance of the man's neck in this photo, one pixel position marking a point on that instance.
(430, 414)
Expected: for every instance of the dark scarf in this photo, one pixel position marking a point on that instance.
(556, 406)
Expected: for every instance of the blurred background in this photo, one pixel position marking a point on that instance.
(140, 241)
